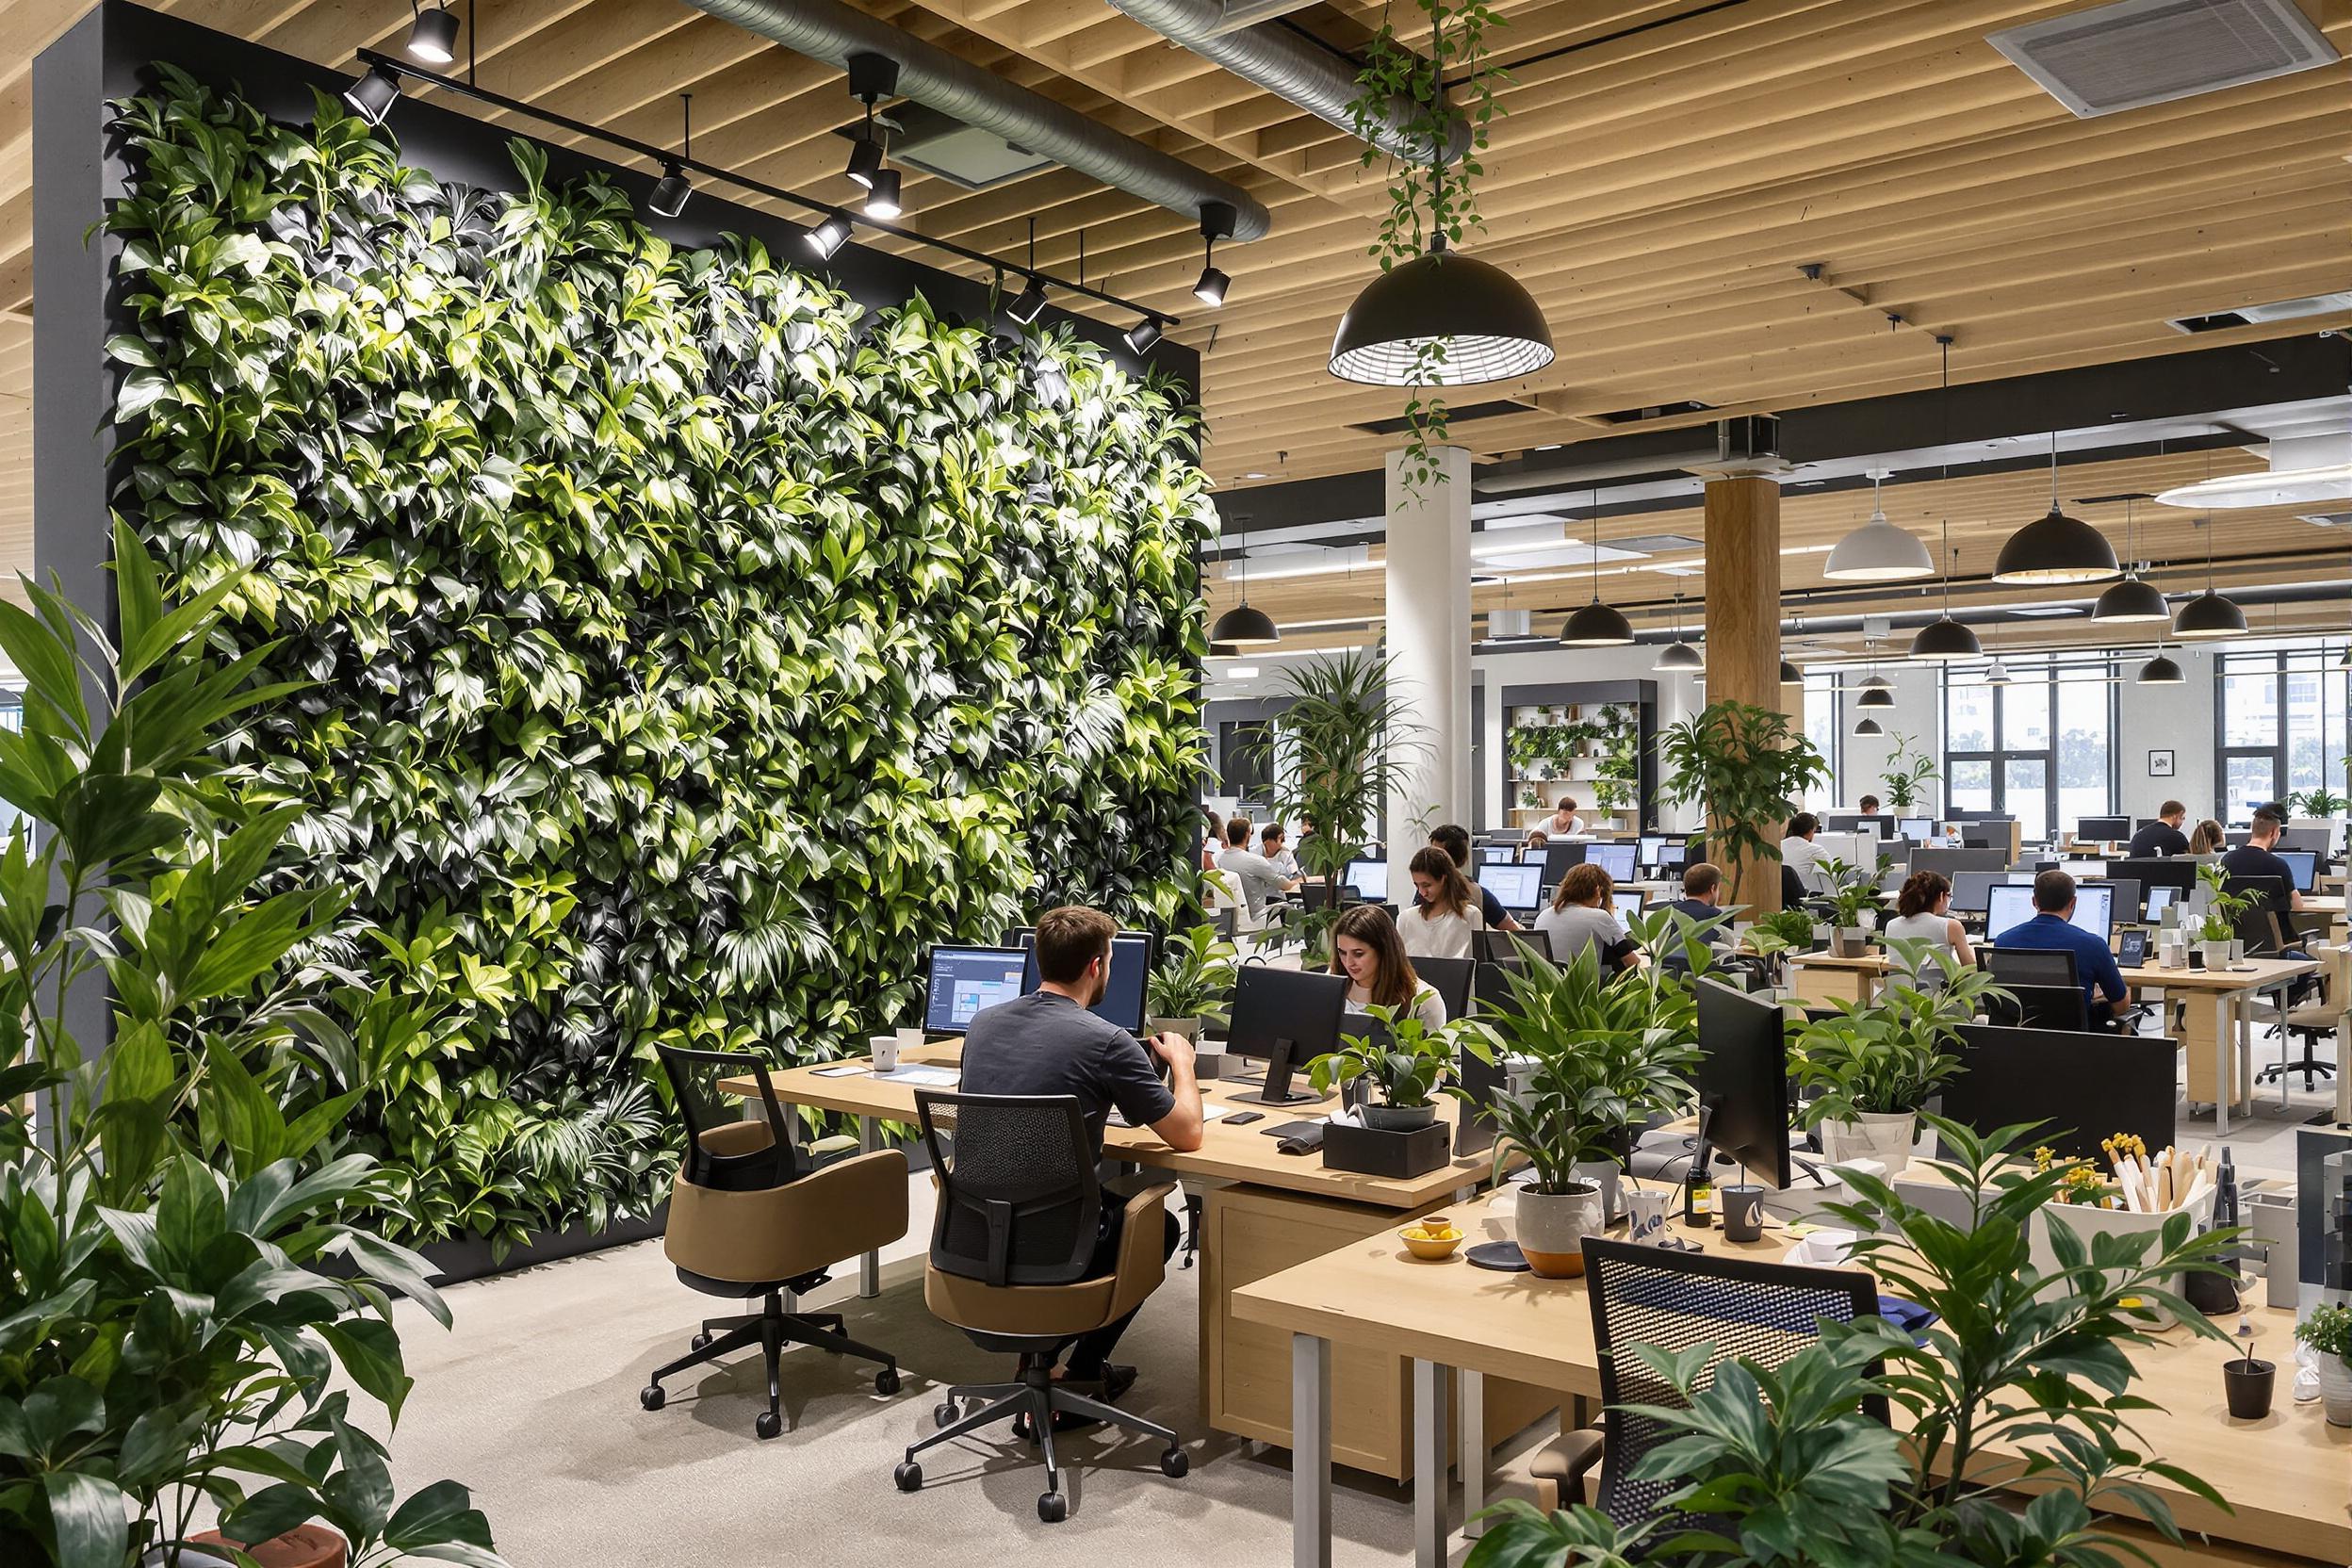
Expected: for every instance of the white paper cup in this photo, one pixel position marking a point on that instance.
(885, 1050)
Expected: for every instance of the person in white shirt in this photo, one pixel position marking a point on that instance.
(1260, 882)
(1444, 923)
(1582, 915)
(1365, 948)
(1275, 852)
(1923, 913)
(1799, 853)
(1563, 820)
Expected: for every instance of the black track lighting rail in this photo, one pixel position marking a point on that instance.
(401, 67)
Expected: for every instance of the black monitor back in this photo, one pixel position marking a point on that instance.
(1952, 862)
(2156, 871)
(1450, 978)
(1271, 1006)
(2040, 1007)
(2083, 1086)
(1742, 1079)
(2031, 966)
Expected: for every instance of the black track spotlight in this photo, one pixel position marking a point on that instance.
(373, 96)
(829, 235)
(872, 78)
(669, 196)
(1210, 290)
(433, 37)
(1143, 333)
(865, 161)
(1027, 303)
(882, 194)
(1217, 223)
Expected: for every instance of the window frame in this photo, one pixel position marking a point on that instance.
(2054, 670)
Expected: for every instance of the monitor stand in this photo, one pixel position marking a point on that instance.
(1278, 1090)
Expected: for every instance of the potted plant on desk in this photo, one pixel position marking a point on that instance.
(2217, 928)
(1406, 1063)
(1877, 1063)
(1854, 901)
(2329, 1331)
(1777, 936)
(1192, 984)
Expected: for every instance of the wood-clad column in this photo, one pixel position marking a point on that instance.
(1743, 627)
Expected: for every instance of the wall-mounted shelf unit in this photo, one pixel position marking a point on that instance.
(1594, 740)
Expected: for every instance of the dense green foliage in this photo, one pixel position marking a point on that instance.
(687, 650)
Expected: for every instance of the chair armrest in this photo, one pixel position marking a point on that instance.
(857, 1206)
(1142, 1250)
(1560, 1466)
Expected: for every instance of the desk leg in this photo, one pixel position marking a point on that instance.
(1470, 1389)
(870, 1265)
(2343, 1070)
(1309, 1451)
(1428, 1464)
(2224, 1040)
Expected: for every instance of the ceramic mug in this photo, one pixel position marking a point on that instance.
(1743, 1212)
(1645, 1213)
(885, 1050)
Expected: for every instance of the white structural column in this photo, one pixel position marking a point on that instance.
(1429, 649)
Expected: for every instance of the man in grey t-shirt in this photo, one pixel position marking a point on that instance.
(1260, 881)
(1048, 1043)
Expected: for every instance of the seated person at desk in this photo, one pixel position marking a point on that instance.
(1581, 916)
(2163, 835)
(1213, 843)
(1454, 839)
(1536, 840)
(1445, 913)
(1704, 890)
(1048, 1043)
(1923, 913)
(2052, 928)
(1564, 820)
(1801, 858)
(2206, 837)
(2255, 857)
(1870, 805)
(1366, 949)
(1271, 850)
(1260, 882)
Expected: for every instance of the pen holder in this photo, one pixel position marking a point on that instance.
(2248, 1385)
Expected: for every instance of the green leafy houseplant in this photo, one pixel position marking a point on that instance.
(1619, 781)
(2328, 1330)
(2223, 910)
(1194, 979)
(1408, 1067)
(1796, 1475)
(1907, 772)
(2320, 802)
(1343, 734)
(684, 647)
(1876, 1064)
(180, 1279)
(1744, 766)
(1853, 891)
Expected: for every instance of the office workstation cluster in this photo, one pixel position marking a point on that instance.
(914, 778)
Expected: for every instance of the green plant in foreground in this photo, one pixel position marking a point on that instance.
(1795, 1474)
(181, 1285)
(1743, 766)
(1194, 979)
(1407, 1066)
(1887, 1056)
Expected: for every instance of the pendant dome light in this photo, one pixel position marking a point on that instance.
(1944, 639)
(1996, 673)
(1597, 625)
(1876, 697)
(1679, 656)
(2132, 599)
(2210, 614)
(1792, 676)
(1244, 626)
(2161, 671)
(2056, 548)
(1868, 726)
(1878, 551)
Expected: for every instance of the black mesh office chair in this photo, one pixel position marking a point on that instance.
(1760, 1313)
(1451, 979)
(751, 1215)
(1012, 1264)
(2031, 966)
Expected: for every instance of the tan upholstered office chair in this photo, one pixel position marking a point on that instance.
(1012, 1254)
(750, 1216)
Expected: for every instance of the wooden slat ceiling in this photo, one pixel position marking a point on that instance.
(1657, 182)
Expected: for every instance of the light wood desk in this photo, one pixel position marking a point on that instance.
(1262, 1211)
(2287, 1476)
(2223, 1016)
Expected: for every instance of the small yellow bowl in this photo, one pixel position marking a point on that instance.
(1432, 1240)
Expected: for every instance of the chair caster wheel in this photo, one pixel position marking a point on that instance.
(651, 1396)
(768, 1425)
(886, 1380)
(945, 1415)
(1052, 1506)
(700, 1342)
(1174, 1464)
(907, 1476)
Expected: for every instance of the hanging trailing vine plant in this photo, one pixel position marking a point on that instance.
(1432, 199)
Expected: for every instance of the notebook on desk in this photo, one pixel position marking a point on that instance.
(1209, 1111)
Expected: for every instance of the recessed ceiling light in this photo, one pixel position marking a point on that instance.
(1254, 473)
(1241, 671)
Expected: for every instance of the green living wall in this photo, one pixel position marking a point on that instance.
(682, 648)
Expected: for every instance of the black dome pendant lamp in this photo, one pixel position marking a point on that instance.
(2134, 599)
(1597, 625)
(1245, 626)
(2056, 548)
(2210, 614)
(1945, 639)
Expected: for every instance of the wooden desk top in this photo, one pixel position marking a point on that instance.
(2255, 971)
(2286, 1475)
(1232, 1154)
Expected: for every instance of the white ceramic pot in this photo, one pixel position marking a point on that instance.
(1551, 1227)
(2335, 1390)
(2085, 1222)
(2217, 955)
(1876, 1135)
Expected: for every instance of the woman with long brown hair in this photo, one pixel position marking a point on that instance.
(1445, 922)
(1923, 913)
(2206, 839)
(1583, 914)
(1366, 949)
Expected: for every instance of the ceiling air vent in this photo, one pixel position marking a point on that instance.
(941, 146)
(2282, 310)
(1656, 411)
(2342, 519)
(1462, 415)
(2135, 53)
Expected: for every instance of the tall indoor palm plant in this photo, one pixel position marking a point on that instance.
(1337, 752)
(1746, 767)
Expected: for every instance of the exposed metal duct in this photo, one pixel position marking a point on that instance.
(1237, 14)
(1285, 64)
(830, 31)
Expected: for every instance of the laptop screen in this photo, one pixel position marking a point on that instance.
(1370, 878)
(2303, 863)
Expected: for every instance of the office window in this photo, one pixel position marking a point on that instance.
(1825, 725)
(2280, 721)
(2041, 749)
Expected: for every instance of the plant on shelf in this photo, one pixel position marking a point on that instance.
(1194, 981)
(183, 1289)
(2328, 1330)
(1619, 781)
(1744, 766)
(1343, 736)
(1907, 774)
(1407, 1064)
(2319, 802)
(1794, 1469)
(1876, 1064)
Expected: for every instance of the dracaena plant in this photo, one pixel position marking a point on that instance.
(1908, 773)
(1890, 1055)
(1742, 765)
(1195, 977)
(1408, 1067)
(180, 1280)
(1852, 890)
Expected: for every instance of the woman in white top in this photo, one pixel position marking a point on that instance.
(1366, 949)
(1445, 922)
(1564, 820)
(1583, 915)
(1923, 913)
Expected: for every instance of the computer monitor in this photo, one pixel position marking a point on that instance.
(2074, 1089)
(1370, 878)
(2009, 905)
(1875, 824)
(1132, 958)
(1742, 1080)
(1952, 863)
(1559, 858)
(1615, 858)
(1627, 901)
(1650, 849)
(1918, 829)
(1518, 888)
(1499, 855)
(2102, 829)
(2157, 901)
(2127, 895)
(2319, 841)
(2156, 871)
(1970, 891)
(1285, 1018)
(1676, 856)
(959, 982)
(2304, 864)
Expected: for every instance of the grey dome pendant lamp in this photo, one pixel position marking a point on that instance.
(1245, 626)
(2210, 614)
(1597, 625)
(1878, 551)
(1679, 656)
(2134, 599)
(2056, 548)
(1945, 639)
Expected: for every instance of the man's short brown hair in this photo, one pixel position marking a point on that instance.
(1069, 940)
(1701, 879)
(2171, 809)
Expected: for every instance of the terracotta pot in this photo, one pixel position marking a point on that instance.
(1550, 1227)
(311, 1545)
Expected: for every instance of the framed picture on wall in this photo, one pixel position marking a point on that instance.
(2160, 764)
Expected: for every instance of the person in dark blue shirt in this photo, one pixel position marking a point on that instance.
(2163, 835)
(2051, 929)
